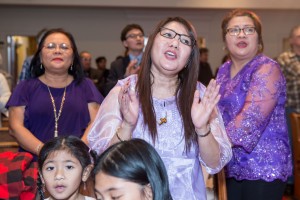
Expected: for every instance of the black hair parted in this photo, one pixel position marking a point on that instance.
(75, 69)
(136, 161)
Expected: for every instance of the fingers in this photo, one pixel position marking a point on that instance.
(196, 97)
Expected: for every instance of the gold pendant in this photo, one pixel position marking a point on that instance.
(162, 121)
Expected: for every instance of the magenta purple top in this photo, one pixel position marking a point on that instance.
(252, 106)
(39, 115)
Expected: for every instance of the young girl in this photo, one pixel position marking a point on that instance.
(64, 163)
(131, 170)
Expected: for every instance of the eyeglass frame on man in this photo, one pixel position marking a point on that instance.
(135, 36)
(241, 29)
(193, 41)
(51, 46)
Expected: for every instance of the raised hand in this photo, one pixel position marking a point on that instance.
(203, 109)
(132, 68)
(129, 104)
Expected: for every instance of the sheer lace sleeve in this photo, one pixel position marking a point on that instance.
(107, 121)
(219, 133)
(261, 99)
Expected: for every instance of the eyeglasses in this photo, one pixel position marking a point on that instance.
(184, 39)
(236, 31)
(52, 46)
(134, 36)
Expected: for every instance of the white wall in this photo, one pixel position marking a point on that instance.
(97, 29)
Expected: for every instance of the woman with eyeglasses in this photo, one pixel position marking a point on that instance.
(57, 100)
(166, 106)
(252, 104)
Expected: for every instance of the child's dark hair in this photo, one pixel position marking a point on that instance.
(73, 145)
(136, 161)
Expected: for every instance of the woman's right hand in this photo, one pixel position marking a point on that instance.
(129, 104)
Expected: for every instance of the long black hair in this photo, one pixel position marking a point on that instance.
(76, 70)
(136, 161)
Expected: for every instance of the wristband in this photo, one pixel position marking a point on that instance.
(205, 134)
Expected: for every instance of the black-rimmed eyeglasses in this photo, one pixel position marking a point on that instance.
(236, 31)
(184, 39)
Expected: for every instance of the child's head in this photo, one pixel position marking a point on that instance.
(131, 169)
(64, 162)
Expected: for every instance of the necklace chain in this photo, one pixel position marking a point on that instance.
(57, 116)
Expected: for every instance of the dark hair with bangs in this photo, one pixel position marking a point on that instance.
(185, 91)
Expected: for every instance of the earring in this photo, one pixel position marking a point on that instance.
(71, 68)
(41, 66)
(84, 186)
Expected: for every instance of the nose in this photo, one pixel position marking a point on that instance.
(241, 33)
(175, 41)
(59, 175)
(57, 49)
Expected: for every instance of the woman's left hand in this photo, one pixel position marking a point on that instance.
(202, 109)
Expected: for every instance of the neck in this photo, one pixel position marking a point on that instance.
(296, 49)
(164, 87)
(237, 65)
(135, 52)
(55, 80)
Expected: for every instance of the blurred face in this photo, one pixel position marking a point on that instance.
(170, 55)
(62, 175)
(241, 46)
(57, 53)
(101, 64)
(109, 188)
(134, 41)
(86, 60)
(204, 57)
(295, 39)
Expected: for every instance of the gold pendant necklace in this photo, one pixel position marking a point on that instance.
(57, 116)
(163, 120)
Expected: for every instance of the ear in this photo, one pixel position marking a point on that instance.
(148, 192)
(125, 43)
(86, 172)
(41, 176)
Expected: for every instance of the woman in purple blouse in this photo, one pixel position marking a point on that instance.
(252, 105)
(58, 100)
(169, 110)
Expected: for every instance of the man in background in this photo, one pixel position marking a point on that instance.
(205, 73)
(132, 37)
(89, 71)
(101, 66)
(290, 65)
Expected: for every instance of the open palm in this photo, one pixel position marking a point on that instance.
(202, 109)
(129, 104)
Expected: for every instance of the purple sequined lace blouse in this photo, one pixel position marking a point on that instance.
(252, 106)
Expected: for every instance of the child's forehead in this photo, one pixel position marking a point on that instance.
(63, 154)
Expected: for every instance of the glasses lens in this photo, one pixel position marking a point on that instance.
(64, 47)
(249, 30)
(51, 46)
(186, 40)
(167, 33)
(233, 31)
